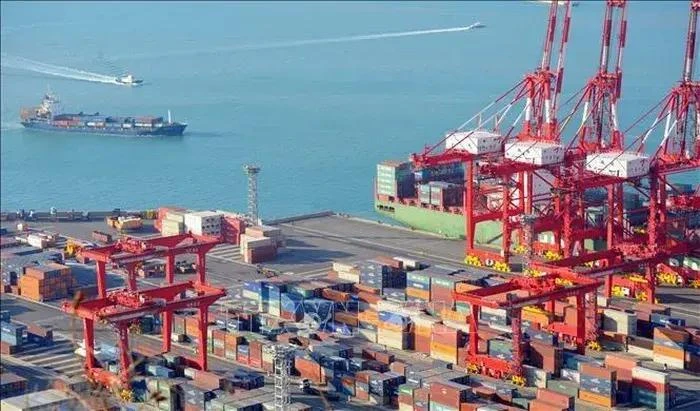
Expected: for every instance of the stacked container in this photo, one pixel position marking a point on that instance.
(368, 321)
(257, 249)
(669, 346)
(46, 282)
(623, 365)
(546, 357)
(422, 332)
(393, 330)
(442, 288)
(444, 343)
(619, 322)
(441, 194)
(651, 388)
(203, 223)
(308, 368)
(232, 227)
(291, 307)
(446, 172)
(11, 333)
(417, 286)
(395, 179)
(348, 272)
(598, 385)
(547, 400)
(447, 396)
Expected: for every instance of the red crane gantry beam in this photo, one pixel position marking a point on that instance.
(545, 290)
(129, 252)
(122, 308)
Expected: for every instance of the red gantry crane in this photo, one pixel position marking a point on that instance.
(124, 307)
(539, 92)
(544, 291)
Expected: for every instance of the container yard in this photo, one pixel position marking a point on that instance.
(540, 271)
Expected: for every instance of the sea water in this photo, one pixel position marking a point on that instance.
(315, 115)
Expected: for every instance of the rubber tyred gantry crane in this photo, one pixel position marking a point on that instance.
(124, 307)
(129, 252)
(120, 309)
(543, 290)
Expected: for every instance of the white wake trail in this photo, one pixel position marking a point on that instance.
(53, 70)
(298, 43)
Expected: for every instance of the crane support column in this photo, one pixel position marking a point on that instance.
(100, 267)
(651, 279)
(170, 268)
(591, 317)
(131, 276)
(124, 352)
(89, 339)
(580, 323)
(203, 320)
(201, 266)
(474, 330)
(518, 352)
(608, 286)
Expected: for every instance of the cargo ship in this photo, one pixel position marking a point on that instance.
(48, 117)
(431, 200)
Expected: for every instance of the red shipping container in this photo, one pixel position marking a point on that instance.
(405, 399)
(692, 362)
(449, 394)
(651, 386)
(558, 399)
(421, 344)
(421, 394)
(384, 260)
(255, 350)
(539, 405)
(362, 376)
(485, 392)
(398, 367)
(206, 379)
(366, 289)
(596, 371)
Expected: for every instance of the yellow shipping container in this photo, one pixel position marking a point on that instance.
(453, 315)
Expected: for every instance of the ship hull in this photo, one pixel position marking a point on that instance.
(168, 130)
(488, 233)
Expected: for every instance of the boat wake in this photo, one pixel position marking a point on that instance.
(22, 63)
(299, 43)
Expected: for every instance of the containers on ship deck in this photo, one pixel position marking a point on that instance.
(395, 179)
(441, 194)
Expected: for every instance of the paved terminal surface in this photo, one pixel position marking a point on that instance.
(312, 245)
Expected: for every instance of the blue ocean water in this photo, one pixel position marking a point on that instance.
(316, 117)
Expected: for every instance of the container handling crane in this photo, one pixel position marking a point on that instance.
(539, 92)
(543, 290)
(123, 308)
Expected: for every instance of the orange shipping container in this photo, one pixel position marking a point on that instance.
(679, 336)
(539, 405)
(417, 293)
(621, 361)
(669, 352)
(597, 399)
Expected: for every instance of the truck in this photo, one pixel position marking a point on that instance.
(124, 223)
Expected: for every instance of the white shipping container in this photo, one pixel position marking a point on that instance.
(354, 277)
(669, 361)
(175, 216)
(571, 375)
(37, 241)
(203, 223)
(536, 377)
(474, 142)
(248, 242)
(535, 152)
(619, 322)
(345, 267)
(647, 374)
(494, 311)
(618, 164)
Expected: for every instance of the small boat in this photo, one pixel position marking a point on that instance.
(559, 3)
(128, 80)
(478, 25)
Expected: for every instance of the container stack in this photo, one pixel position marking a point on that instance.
(623, 365)
(393, 330)
(422, 332)
(442, 288)
(598, 385)
(368, 321)
(547, 357)
(232, 226)
(308, 368)
(395, 179)
(257, 249)
(263, 231)
(548, 400)
(417, 286)
(291, 307)
(448, 396)
(12, 385)
(382, 274)
(203, 223)
(441, 194)
(619, 322)
(669, 347)
(651, 388)
(177, 215)
(444, 343)
(12, 336)
(271, 297)
(46, 282)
